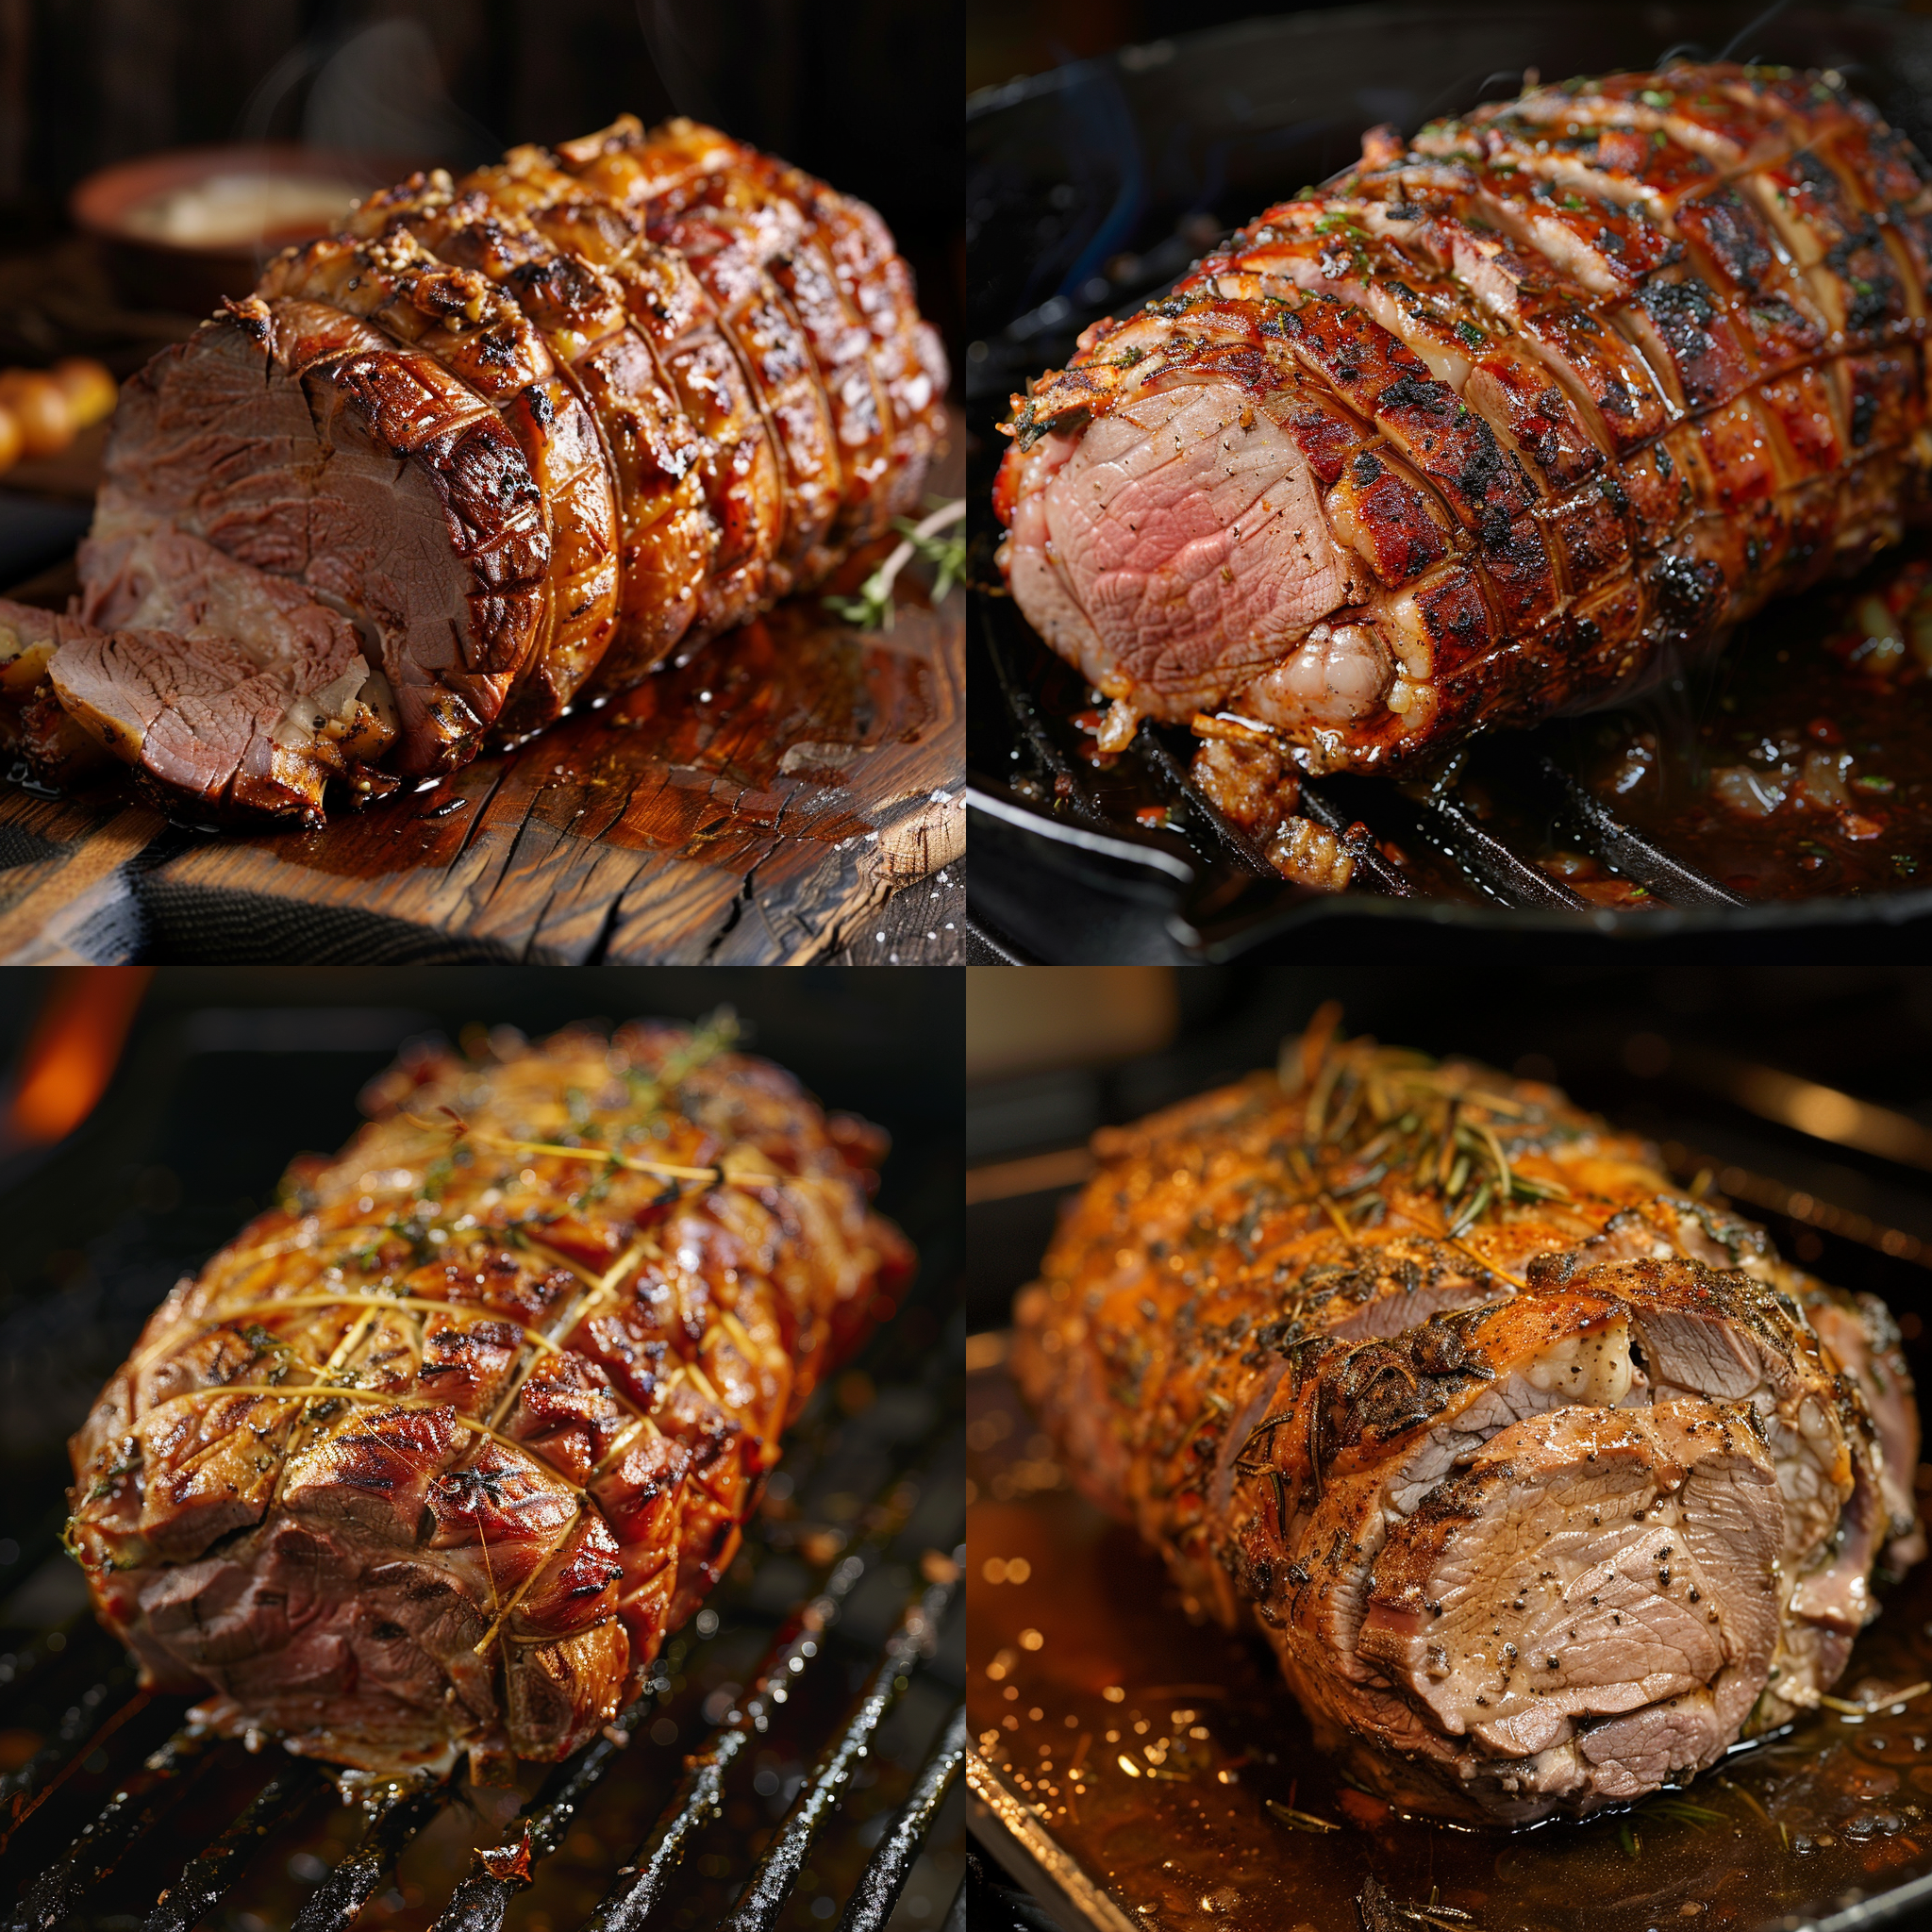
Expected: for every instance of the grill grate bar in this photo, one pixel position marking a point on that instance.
(693, 1806)
(1157, 753)
(641, 1886)
(1633, 854)
(769, 1886)
(1370, 859)
(127, 1816)
(884, 1877)
(207, 1877)
(87, 1723)
(1047, 756)
(1447, 823)
(394, 1819)
(480, 1903)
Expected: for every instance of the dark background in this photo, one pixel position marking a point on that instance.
(863, 93)
(1007, 39)
(1653, 1042)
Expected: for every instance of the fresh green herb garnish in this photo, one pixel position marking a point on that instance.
(871, 609)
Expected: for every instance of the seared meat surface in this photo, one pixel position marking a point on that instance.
(510, 440)
(434, 1455)
(1547, 1480)
(1489, 425)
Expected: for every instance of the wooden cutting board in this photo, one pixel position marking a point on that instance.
(751, 808)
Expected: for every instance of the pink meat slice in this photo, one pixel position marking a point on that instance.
(232, 689)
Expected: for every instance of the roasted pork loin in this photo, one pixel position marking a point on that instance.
(510, 440)
(1547, 1480)
(433, 1455)
(1492, 426)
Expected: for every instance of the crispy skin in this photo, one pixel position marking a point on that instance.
(1632, 355)
(551, 1393)
(1292, 1336)
(667, 539)
(454, 314)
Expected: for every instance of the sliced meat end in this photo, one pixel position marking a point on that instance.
(233, 689)
(302, 442)
(1590, 1565)
(210, 731)
(1179, 548)
(54, 749)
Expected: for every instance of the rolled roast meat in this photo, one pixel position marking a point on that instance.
(432, 1456)
(1547, 1480)
(510, 440)
(1490, 426)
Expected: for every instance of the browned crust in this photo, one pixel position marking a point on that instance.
(556, 1387)
(666, 538)
(1695, 304)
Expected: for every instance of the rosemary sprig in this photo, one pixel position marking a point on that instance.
(716, 1033)
(1683, 1811)
(1471, 1213)
(871, 609)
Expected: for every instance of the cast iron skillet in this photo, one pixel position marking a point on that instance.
(1090, 188)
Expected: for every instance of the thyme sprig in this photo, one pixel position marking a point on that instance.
(1301, 1821)
(712, 1036)
(871, 609)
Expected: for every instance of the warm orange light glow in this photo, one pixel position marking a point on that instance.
(73, 1050)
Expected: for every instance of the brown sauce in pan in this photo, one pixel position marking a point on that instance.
(1799, 764)
(1083, 1659)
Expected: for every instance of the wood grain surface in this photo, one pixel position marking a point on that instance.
(760, 805)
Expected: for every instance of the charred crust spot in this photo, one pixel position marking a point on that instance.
(1417, 392)
(1691, 592)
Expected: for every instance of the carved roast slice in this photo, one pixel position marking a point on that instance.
(231, 688)
(1590, 1602)
(1367, 1346)
(432, 1456)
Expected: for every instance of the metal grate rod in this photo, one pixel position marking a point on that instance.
(132, 1811)
(643, 1882)
(884, 1878)
(206, 1877)
(1621, 845)
(86, 1724)
(769, 1886)
(479, 1902)
(693, 1806)
(394, 1819)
